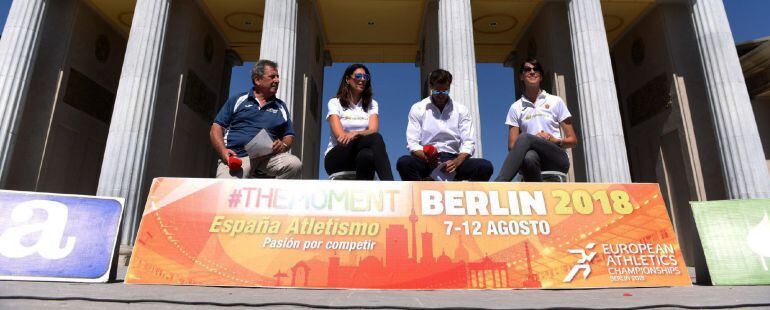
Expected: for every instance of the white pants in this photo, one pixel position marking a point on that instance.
(281, 166)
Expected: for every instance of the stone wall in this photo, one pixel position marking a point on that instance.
(78, 61)
(189, 95)
(308, 89)
(666, 118)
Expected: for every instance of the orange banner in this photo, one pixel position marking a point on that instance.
(405, 235)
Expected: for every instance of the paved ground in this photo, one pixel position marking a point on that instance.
(40, 295)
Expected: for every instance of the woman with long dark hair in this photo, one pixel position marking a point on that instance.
(535, 124)
(355, 143)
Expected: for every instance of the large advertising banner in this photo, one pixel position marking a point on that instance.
(56, 237)
(405, 235)
(735, 235)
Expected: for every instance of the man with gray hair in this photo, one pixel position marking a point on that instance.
(242, 117)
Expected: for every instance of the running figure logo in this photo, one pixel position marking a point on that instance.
(582, 263)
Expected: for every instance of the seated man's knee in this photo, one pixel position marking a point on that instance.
(477, 169)
(293, 164)
(224, 172)
(485, 169)
(405, 162)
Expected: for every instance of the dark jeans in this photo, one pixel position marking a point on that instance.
(365, 154)
(530, 155)
(412, 168)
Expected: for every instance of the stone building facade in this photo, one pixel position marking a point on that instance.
(99, 97)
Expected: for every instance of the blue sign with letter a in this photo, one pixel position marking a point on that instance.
(53, 237)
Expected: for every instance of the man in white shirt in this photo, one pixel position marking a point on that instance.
(447, 126)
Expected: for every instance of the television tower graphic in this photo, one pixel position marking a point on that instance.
(532, 279)
(413, 220)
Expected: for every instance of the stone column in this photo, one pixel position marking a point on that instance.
(602, 131)
(18, 48)
(740, 149)
(456, 55)
(125, 156)
(279, 44)
(232, 59)
(428, 57)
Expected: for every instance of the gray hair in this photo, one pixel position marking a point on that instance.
(259, 68)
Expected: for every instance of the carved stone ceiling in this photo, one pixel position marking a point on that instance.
(382, 30)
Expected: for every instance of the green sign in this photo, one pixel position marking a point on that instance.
(736, 240)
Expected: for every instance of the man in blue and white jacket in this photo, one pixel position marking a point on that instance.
(246, 114)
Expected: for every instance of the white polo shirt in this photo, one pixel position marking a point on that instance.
(353, 118)
(544, 114)
(450, 130)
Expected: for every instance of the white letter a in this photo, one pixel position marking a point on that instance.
(51, 231)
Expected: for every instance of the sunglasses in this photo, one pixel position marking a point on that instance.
(439, 92)
(530, 69)
(361, 76)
